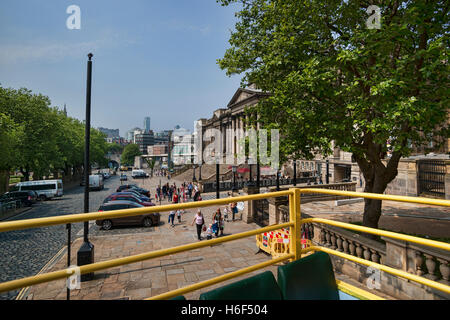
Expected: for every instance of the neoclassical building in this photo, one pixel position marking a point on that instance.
(340, 165)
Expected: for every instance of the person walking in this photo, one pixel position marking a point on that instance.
(234, 209)
(199, 222)
(172, 217)
(179, 215)
(218, 221)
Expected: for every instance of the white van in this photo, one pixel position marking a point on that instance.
(45, 189)
(138, 174)
(96, 182)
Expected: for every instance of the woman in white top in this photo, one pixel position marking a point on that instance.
(199, 221)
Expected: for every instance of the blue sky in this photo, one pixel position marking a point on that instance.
(152, 58)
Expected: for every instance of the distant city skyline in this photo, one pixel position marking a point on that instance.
(151, 58)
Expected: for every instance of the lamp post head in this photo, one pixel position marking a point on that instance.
(90, 55)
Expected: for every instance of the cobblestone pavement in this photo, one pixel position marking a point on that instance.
(24, 252)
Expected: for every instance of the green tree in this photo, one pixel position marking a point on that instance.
(333, 79)
(129, 152)
(10, 135)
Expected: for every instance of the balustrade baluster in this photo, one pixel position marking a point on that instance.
(333, 241)
(345, 245)
(339, 243)
(419, 262)
(322, 238)
(366, 253)
(431, 266)
(328, 238)
(445, 271)
(359, 250)
(352, 248)
(375, 256)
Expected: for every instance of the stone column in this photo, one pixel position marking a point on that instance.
(274, 209)
(250, 206)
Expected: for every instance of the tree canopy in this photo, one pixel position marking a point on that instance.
(129, 152)
(39, 139)
(332, 79)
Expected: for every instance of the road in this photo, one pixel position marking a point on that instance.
(24, 252)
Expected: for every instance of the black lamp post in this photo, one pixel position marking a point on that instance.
(295, 172)
(217, 180)
(278, 180)
(85, 254)
(200, 172)
(194, 179)
(327, 178)
(234, 169)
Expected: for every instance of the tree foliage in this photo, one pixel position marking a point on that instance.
(332, 79)
(39, 139)
(129, 152)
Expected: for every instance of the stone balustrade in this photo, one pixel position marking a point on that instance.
(428, 262)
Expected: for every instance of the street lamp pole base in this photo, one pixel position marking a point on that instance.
(85, 255)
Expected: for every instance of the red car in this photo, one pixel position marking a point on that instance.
(127, 197)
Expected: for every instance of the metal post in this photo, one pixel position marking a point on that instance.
(278, 180)
(217, 181)
(85, 254)
(295, 172)
(327, 178)
(194, 179)
(87, 139)
(200, 172)
(258, 176)
(295, 230)
(68, 227)
(160, 192)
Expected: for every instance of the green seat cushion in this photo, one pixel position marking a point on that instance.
(260, 287)
(178, 298)
(309, 278)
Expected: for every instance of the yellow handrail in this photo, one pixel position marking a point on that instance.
(294, 224)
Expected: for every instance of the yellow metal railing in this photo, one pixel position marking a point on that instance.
(295, 240)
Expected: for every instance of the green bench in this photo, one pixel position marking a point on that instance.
(310, 278)
(263, 286)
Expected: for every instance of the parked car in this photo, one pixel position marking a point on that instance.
(135, 193)
(28, 197)
(127, 197)
(139, 174)
(106, 175)
(147, 220)
(124, 187)
(123, 177)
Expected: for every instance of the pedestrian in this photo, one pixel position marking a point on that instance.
(234, 209)
(218, 221)
(172, 217)
(199, 222)
(209, 232)
(175, 198)
(179, 215)
(190, 190)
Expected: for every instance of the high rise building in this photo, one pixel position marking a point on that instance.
(146, 124)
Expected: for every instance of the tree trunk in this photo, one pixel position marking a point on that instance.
(377, 177)
(4, 181)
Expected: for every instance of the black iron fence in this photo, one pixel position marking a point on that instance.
(431, 178)
(228, 185)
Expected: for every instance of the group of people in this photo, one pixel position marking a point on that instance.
(178, 194)
(218, 221)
